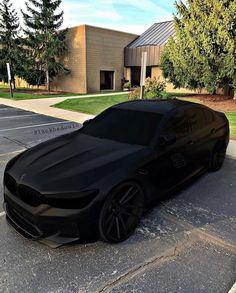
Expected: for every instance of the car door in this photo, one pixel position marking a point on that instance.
(201, 129)
(171, 164)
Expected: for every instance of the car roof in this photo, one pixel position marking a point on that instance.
(155, 106)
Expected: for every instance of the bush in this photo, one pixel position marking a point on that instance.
(154, 89)
(154, 85)
(134, 95)
(150, 95)
(165, 95)
(127, 85)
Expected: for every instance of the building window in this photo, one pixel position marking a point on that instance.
(106, 80)
(136, 74)
(148, 71)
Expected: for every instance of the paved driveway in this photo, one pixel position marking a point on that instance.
(185, 244)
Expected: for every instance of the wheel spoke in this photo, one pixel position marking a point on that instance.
(110, 226)
(109, 218)
(126, 194)
(127, 197)
(118, 228)
(122, 222)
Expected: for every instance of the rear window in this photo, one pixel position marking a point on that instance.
(196, 118)
(178, 124)
(126, 126)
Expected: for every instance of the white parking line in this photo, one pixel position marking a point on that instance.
(30, 126)
(2, 214)
(18, 116)
(11, 153)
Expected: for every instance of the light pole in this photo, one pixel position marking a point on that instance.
(143, 74)
(9, 79)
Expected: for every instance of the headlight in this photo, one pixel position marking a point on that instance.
(72, 201)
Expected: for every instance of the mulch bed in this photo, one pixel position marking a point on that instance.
(217, 102)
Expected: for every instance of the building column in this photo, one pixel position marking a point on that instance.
(127, 73)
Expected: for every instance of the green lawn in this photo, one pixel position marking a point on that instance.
(96, 105)
(232, 121)
(92, 105)
(26, 96)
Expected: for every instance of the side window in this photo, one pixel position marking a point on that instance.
(196, 118)
(177, 124)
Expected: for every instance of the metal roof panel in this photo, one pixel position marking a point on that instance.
(157, 34)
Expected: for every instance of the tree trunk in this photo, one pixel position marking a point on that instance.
(47, 80)
(226, 90)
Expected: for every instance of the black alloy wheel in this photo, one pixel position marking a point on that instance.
(218, 157)
(121, 212)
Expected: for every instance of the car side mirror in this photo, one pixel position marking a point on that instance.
(167, 139)
(86, 122)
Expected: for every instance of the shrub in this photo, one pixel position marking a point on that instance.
(127, 85)
(165, 95)
(150, 95)
(154, 85)
(134, 95)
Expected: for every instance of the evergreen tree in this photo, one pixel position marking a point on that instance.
(9, 41)
(203, 51)
(44, 42)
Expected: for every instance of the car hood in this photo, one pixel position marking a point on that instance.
(71, 162)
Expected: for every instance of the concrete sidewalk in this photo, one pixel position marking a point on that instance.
(231, 151)
(43, 106)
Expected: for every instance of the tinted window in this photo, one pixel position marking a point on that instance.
(196, 118)
(178, 124)
(133, 127)
(209, 116)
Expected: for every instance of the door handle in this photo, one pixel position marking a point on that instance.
(190, 142)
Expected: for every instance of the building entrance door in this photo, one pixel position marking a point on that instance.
(106, 80)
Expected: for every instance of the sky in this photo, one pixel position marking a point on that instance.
(133, 16)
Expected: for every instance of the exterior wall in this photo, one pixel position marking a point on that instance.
(156, 72)
(133, 55)
(75, 60)
(105, 51)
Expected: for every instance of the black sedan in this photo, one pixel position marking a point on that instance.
(97, 181)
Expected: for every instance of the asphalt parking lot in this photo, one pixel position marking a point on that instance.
(185, 244)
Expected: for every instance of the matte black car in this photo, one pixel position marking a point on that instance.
(97, 181)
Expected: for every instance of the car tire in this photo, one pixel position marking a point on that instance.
(121, 212)
(218, 157)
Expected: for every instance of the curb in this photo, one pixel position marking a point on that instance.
(231, 156)
(233, 289)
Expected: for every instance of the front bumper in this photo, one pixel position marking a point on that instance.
(56, 225)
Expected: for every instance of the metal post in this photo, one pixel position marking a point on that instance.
(143, 74)
(9, 79)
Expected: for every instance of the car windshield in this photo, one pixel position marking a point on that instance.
(126, 126)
